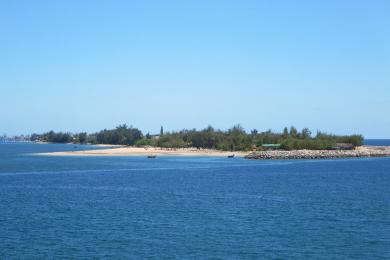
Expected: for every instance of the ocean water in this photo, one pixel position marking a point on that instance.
(377, 142)
(191, 208)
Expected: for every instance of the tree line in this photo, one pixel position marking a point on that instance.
(233, 139)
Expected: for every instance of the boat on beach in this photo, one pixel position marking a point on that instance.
(231, 156)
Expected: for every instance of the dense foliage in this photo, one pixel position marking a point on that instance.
(120, 135)
(234, 139)
(53, 137)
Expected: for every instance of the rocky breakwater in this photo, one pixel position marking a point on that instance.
(359, 152)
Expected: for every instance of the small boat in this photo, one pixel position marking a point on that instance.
(151, 156)
(231, 156)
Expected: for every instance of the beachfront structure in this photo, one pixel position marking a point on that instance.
(270, 146)
(344, 146)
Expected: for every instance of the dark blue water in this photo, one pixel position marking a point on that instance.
(377, 142)
(133, 207)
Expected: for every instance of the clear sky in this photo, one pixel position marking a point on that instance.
(89, 65)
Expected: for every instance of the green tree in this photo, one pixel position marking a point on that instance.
(306, 133)
(82, 138)
(285, 132)
(293, 132)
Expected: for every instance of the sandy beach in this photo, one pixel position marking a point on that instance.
(141, 151)
(364, 151)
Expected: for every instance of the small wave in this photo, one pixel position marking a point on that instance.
(242, 165)
(73, 187)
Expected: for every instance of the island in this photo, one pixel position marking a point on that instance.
(234, 142)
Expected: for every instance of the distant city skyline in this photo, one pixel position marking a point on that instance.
(88, 65)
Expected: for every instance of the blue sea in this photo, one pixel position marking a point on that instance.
(377, 142)
(191, 208)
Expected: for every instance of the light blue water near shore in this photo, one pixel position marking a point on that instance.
(170, 207)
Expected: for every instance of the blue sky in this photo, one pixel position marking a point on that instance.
(89, 65)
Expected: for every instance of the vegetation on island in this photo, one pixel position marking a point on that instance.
(233, 139)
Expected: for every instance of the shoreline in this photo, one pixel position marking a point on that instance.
(360, 152)
(148, 151)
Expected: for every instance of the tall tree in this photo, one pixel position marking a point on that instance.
(82, 138)
(306, 133)
(293, 132)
